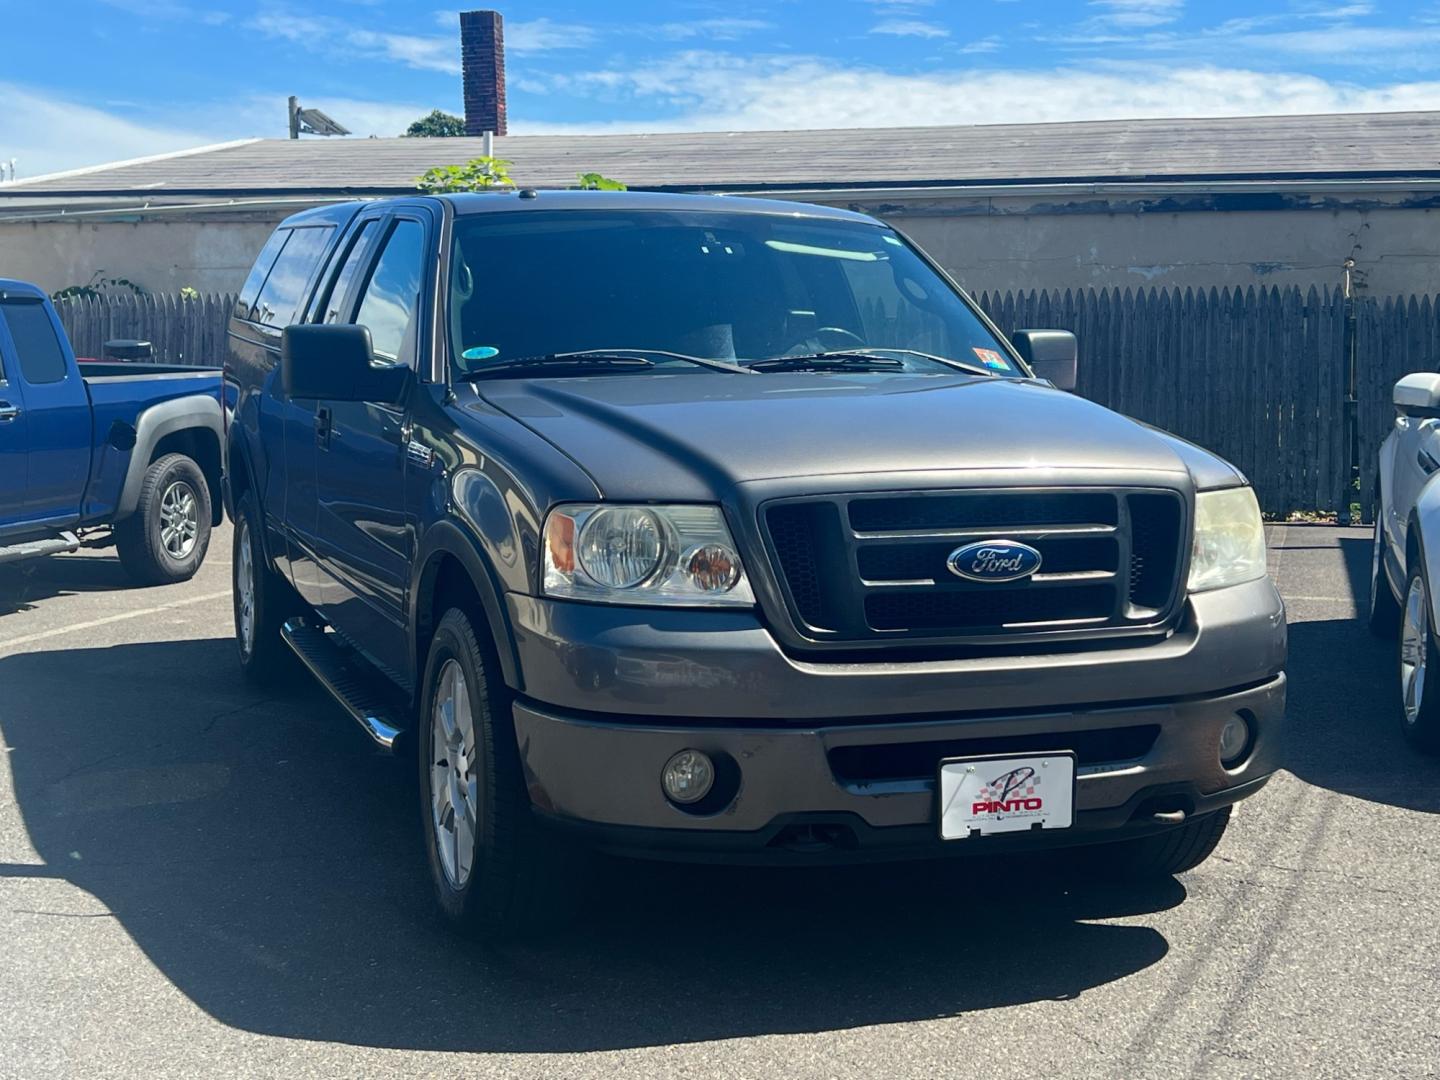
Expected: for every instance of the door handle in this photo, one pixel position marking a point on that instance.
(323, 426)
(8, 412)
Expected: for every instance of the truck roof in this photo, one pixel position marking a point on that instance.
(513, 200)
(11, 287)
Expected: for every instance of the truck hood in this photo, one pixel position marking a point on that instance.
(695, 436)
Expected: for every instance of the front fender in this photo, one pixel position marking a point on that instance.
(448, 537)
(152, 425)
(1424, 529)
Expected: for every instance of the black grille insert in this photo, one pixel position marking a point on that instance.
(912, 761)
(979, 510)
(989, 608)
(865, 567)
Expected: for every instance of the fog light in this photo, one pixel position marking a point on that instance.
(1234, 741)
(688, 777)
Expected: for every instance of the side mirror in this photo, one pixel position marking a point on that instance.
(1051, 354)
(1418, 395)
(336, 362)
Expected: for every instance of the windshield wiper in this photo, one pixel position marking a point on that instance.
(588, 361)
(868, 358)
(832, 361)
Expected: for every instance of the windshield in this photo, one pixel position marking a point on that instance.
(739, 288)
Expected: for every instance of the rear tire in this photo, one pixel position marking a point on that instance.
(263, 600)
(1383, 616)
(496, 873)
(1419, 694)
(1171, 852)
(164, 541)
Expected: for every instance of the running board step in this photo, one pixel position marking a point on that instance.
(349, 679)
(63, 544)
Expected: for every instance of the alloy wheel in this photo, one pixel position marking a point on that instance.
(454, 788)
(245, 589)
(179, 520)
(1414, 647)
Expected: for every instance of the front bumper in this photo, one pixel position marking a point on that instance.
(794, 798)
(840, 759)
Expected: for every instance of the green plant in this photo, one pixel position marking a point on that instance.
(189, 292)
(97, 287)
(593, 181)
(437, 125)
(477, 174)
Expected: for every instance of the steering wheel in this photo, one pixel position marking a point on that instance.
(849, 337)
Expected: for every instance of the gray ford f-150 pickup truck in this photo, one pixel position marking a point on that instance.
(700, 527)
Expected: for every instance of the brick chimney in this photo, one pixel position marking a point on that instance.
(482, 60)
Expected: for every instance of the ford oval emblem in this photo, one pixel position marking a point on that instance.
(994, 561)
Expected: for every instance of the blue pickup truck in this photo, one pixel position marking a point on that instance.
(130, 447)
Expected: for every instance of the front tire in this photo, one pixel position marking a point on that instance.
(1171, 852)
(1419, 693)
(495, 874)
(164, 541)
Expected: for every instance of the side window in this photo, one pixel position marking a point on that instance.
(42, 360)
(392, 295)
(354, 263)
(250, 291)
(285, 287)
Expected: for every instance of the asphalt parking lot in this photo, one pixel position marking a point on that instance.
(197, 879)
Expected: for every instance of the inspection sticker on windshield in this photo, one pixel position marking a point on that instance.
(993, 360)
(1011, 793)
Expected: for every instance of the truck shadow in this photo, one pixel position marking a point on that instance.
(1344, 703)
(268, 863)
(23, 584)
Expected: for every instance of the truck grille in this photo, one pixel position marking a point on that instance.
(874, 567)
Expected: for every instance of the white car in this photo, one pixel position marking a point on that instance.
(1405, 564)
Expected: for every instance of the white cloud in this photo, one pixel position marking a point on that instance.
(910, 28)
(46, 134)
(982, 45)
(721, 29)
(1138, 13)
(540, 35)
(424, 52)
(714, 91)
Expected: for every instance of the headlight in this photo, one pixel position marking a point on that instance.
(1229, 546)
(667, 555)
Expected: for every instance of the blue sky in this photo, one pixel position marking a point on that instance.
(88, 81)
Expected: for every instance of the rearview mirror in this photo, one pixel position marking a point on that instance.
(1051, 354)
(1418, 395)
(336, 362)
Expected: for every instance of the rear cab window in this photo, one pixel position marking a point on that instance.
(293, 270)
(37, 346)
(250, 291)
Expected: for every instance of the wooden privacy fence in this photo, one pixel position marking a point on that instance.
(1258, 376)
(182, 330)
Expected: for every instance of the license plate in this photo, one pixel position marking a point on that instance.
(1010, 793)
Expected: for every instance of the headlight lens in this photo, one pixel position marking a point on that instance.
(665, 555)
(1229, 547)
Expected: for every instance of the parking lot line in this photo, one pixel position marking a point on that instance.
(26, 639)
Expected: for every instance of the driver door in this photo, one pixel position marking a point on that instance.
(365, 531)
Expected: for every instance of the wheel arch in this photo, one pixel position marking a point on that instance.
(449, 560)
(189, 425)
